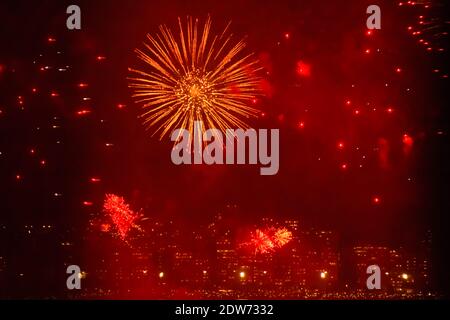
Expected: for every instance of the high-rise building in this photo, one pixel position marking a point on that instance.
(367, 255)
(226, 259)
(320, 251)
(424, 264)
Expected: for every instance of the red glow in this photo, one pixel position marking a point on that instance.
(54, 94)
(34, 90)
(390, 110)
(87, 203)
(83, 112)
(301, 124)
(43, 162)
(376, 200)
(287, 35)
(303, 69)
(95, 180)
(367, 51)
(82, 85)
(398, 70)
(105, 227)
(51, 39)
(100, 58)
(340, 145)
(121, 106)
(344, 166)
(407, 140)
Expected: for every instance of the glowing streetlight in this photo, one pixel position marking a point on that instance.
(405, 276)
(161, 275)
(242, 274)
(323, 274)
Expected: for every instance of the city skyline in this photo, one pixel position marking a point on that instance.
(210, 262)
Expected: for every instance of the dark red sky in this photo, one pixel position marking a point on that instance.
(327, 35)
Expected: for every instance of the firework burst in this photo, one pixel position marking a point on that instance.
(268, 240)
(261, 242)
(281, 237)
(120, 213)
(195, 76)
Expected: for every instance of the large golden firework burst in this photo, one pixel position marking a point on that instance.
(195, 77)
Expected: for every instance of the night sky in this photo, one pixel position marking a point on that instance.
(363, 119)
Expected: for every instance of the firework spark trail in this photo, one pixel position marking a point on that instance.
(195, 77)
(429, 26)
(120, 213)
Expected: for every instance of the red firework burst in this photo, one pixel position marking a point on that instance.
(266, 241)
(120, 213)
(261, 242)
